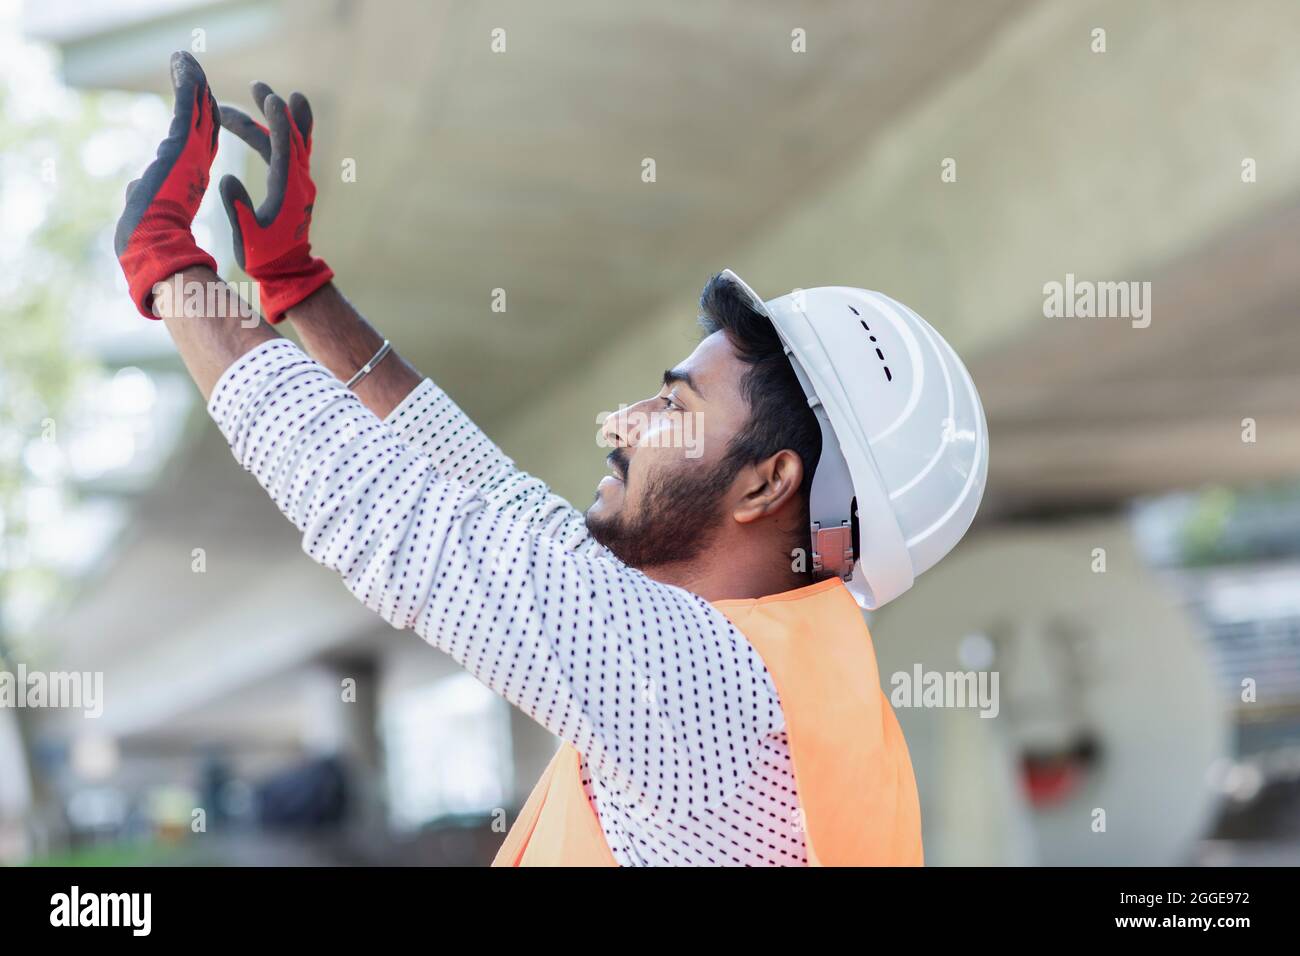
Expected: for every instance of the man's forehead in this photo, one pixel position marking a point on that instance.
(714, 363)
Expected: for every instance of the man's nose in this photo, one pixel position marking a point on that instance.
(622, 429)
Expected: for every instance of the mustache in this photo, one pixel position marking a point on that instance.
(618, 461)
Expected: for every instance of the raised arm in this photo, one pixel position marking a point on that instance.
(273, 245)
(666, 700)
(335, 334)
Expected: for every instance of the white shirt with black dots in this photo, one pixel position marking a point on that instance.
(432, 527)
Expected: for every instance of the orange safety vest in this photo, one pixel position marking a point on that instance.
(852, 771)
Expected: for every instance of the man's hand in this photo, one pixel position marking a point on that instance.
(272, 247)
(271, 243)
(153, 240)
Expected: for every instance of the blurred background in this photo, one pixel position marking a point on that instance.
(1134, 577)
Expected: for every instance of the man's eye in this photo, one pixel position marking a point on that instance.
(669, 403)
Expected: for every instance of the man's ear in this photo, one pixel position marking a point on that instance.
(768, 486)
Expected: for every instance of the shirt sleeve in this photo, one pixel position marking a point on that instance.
(429, 420)
(665, 699)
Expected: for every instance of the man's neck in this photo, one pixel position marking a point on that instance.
(719, 579)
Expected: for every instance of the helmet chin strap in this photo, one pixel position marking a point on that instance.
(830, 501)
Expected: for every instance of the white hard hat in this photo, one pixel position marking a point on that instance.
(903, 433)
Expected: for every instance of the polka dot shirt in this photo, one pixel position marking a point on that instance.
(432, 527)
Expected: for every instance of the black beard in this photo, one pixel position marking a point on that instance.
(680, 514)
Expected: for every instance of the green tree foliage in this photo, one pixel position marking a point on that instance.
(57, 208)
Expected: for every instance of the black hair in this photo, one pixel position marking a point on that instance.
(779, 416)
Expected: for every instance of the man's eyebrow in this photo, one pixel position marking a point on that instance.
(674, 375)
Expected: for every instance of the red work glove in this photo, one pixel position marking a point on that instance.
(271, 244)
(153, 240)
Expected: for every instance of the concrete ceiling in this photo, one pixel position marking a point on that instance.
(522, 170)
(1089, 410)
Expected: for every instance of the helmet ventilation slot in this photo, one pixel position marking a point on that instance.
(889, 376)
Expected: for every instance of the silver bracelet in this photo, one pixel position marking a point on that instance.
(370, 366)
